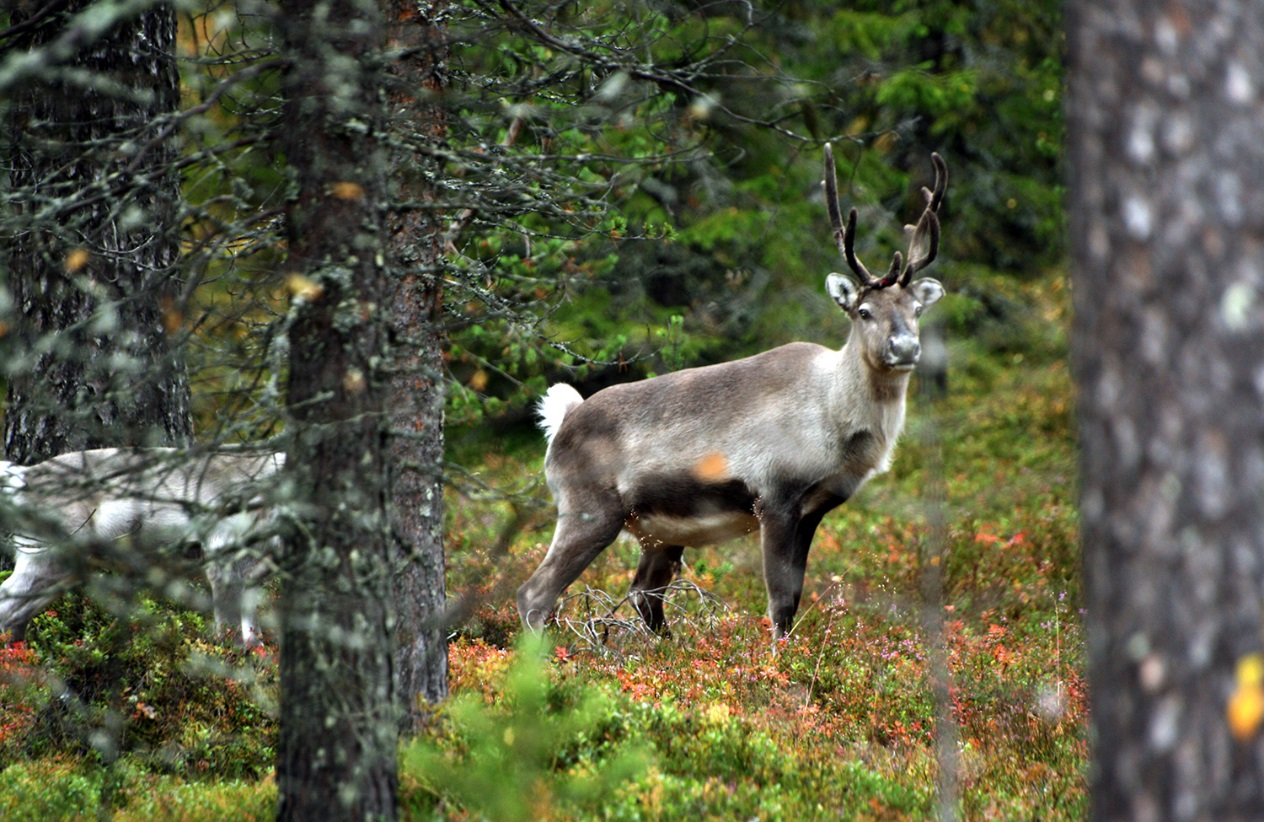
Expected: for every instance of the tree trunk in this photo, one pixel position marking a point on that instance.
(92, 262)
(337, 752)
(1167, 221)
(416, 383)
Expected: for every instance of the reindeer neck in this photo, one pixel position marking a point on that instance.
(887, 387)
(867, 398)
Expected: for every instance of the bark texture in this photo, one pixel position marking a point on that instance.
(417, 82)
(92, 266)
(1167, 221)
(337, 752)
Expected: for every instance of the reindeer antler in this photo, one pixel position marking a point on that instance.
(927, 229)
(844, 237)
(923, 245)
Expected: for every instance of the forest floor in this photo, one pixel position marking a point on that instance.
(842, 718)
(599, 720)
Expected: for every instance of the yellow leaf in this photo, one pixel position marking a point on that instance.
(347, 190)
(718, 714)
(172, 317)
(77, 259)
(353, 381)
(1250, 671)
(478, 380)
(303, 287)
(1245, 710)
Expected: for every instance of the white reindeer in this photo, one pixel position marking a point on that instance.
(88, 506)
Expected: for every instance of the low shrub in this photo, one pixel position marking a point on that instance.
(549, 749)
(50, 789)
(151, 685)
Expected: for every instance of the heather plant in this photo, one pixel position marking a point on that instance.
(152, 687)
(56, 788)
(23, 687)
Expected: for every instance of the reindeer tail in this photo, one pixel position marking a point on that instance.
(557, 402)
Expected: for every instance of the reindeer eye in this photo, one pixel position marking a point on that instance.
(917, 310)
(864, 313)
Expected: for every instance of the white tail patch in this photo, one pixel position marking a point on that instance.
(553, 407)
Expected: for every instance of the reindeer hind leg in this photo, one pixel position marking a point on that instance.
(656, 570)
(583, 532)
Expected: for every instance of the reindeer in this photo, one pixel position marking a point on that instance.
(770, 443)
(111, 506)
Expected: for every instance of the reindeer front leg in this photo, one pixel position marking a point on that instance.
(227, 591)
(785, 539)
(784, 564)
(29, 590)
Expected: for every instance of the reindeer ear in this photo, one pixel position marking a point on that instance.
(927, 290)
(843, 290)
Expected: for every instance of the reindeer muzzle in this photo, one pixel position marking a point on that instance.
(903, 352)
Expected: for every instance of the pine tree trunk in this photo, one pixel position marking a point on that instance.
(337, 752)
(416, 386)
(92, 263)
(1167, 222)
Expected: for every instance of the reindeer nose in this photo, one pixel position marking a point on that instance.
(903, 350)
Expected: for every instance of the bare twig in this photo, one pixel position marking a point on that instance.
(590, 615)
(462, 219)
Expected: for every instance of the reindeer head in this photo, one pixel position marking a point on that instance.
(884, 311)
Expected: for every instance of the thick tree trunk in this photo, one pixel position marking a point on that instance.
(337, 753)
(1167, 224)
(92, 263)
(416, 384)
